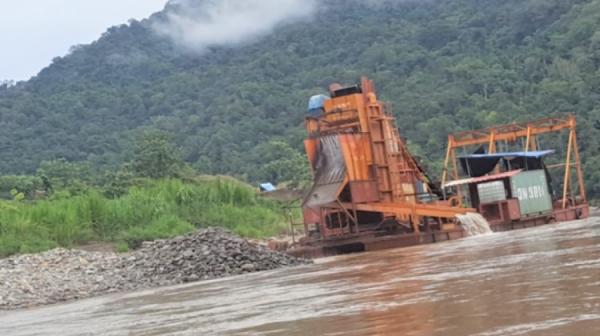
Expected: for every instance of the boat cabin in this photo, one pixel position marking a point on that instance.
(505, 187)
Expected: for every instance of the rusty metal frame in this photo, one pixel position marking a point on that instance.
(373, 149)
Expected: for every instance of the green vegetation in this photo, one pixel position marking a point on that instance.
(153, 196)
(155, 156)
(445, 65)
(154, 209)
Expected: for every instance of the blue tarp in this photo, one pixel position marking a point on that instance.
(476, 165)
(267, 187)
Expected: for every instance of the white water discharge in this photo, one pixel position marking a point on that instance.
(474, 224)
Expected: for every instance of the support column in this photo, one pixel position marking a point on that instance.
(447, 161)
(528, 141)
(492, 144)
(582, 192)
(567, 178)
(456, 177)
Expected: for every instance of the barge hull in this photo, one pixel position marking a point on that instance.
(370, 242)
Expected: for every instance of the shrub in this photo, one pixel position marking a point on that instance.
(161, 228)
(153, 209)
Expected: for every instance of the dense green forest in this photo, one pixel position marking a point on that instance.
(445, 65)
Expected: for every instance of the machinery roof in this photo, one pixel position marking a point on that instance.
(483, 178)
(530, 154)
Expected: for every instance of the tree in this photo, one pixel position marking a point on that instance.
(155, 156)
(279, 162)
(62, 175)
(117, 183)
(28, 185)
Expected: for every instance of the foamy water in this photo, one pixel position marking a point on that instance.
(540, 281)
(474, 224)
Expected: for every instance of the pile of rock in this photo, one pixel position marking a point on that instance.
(61, 275)
(206, 254)
(56, 276)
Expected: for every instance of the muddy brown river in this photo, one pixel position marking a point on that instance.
(541, 281)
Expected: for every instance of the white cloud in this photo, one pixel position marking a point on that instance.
(198, 25)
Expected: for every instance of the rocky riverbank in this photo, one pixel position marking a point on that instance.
(62, 275)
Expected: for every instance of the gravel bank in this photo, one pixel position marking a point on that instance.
(62, 275)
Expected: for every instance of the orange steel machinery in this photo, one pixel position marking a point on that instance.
(369, 192)
(508, 196)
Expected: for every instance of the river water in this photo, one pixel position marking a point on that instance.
(541, 281)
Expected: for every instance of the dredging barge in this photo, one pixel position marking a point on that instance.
(370, 193)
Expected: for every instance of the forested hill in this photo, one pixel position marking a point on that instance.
(445, 65)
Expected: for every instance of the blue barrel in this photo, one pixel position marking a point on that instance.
(316, 105)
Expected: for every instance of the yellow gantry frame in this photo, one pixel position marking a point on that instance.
(513, 132)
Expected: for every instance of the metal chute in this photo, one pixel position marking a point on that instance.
(330, 173)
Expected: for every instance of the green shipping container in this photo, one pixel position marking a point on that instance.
(531, 188)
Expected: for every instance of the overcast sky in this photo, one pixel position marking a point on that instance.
(33, 32)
